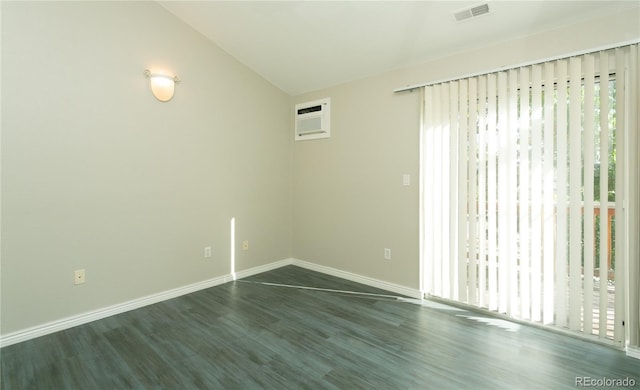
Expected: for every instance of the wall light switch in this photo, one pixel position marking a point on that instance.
(245, 245)
(207, 251)
(406, 180)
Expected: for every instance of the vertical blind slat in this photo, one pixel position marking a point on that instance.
(429, 201)
(491, 191)
(589, 226)
(548, 178)
(621, 74)
(512, 188)
(524, 196)
(536, 193)
(454, 125)
(562, 268)
(503, 264)
(482, 187)
(446, 187)
(473, 195)
(604, 193)
(633, 187)
(463, 199)
(437, 172)
(575, 195)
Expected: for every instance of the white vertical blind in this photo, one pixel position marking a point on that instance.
(472, 195)
(438, 177)
(463, 200)
(588, 211)
(575, 195)
(512, 199)
(562, 261)
(492, 151)
(519, 207)
(524, 197)
(620, 98)
(502, 157)
(604, 194)
(482, 188)
(548, 206)
(447, 212)
(633, 220)
(536, 193)
(454, 207)
(429, 200)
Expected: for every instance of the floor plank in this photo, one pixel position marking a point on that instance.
(247, 334)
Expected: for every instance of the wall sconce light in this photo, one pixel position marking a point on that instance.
(162, 85)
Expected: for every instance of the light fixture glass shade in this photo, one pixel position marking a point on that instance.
(162, 86)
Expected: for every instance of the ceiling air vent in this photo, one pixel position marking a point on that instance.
(468, 13)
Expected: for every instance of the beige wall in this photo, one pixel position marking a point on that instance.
(97, 174)
(349, 202)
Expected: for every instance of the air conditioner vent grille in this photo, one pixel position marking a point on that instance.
(313, 120)
(468, 13)
(480, 10)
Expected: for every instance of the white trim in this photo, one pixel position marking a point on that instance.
(263, 268)
(410, 292)
(80, 319)
(90, 316)
(633, 352)
(528, 63)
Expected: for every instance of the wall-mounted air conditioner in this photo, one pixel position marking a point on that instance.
(313, 120)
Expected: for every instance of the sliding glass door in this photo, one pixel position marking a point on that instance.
(524, 192)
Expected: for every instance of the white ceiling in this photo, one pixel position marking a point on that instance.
(301, 46)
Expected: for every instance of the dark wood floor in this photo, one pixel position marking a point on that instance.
(248, 335)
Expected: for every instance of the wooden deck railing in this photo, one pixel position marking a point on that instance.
(611, 212)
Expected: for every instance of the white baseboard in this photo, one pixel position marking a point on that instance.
(263, 268)
(633, 352)
(80, 319)
(410, 292)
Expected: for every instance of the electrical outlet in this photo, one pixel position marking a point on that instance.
(245, 245)
(207, 251)
(79, 276)
(387, 254)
